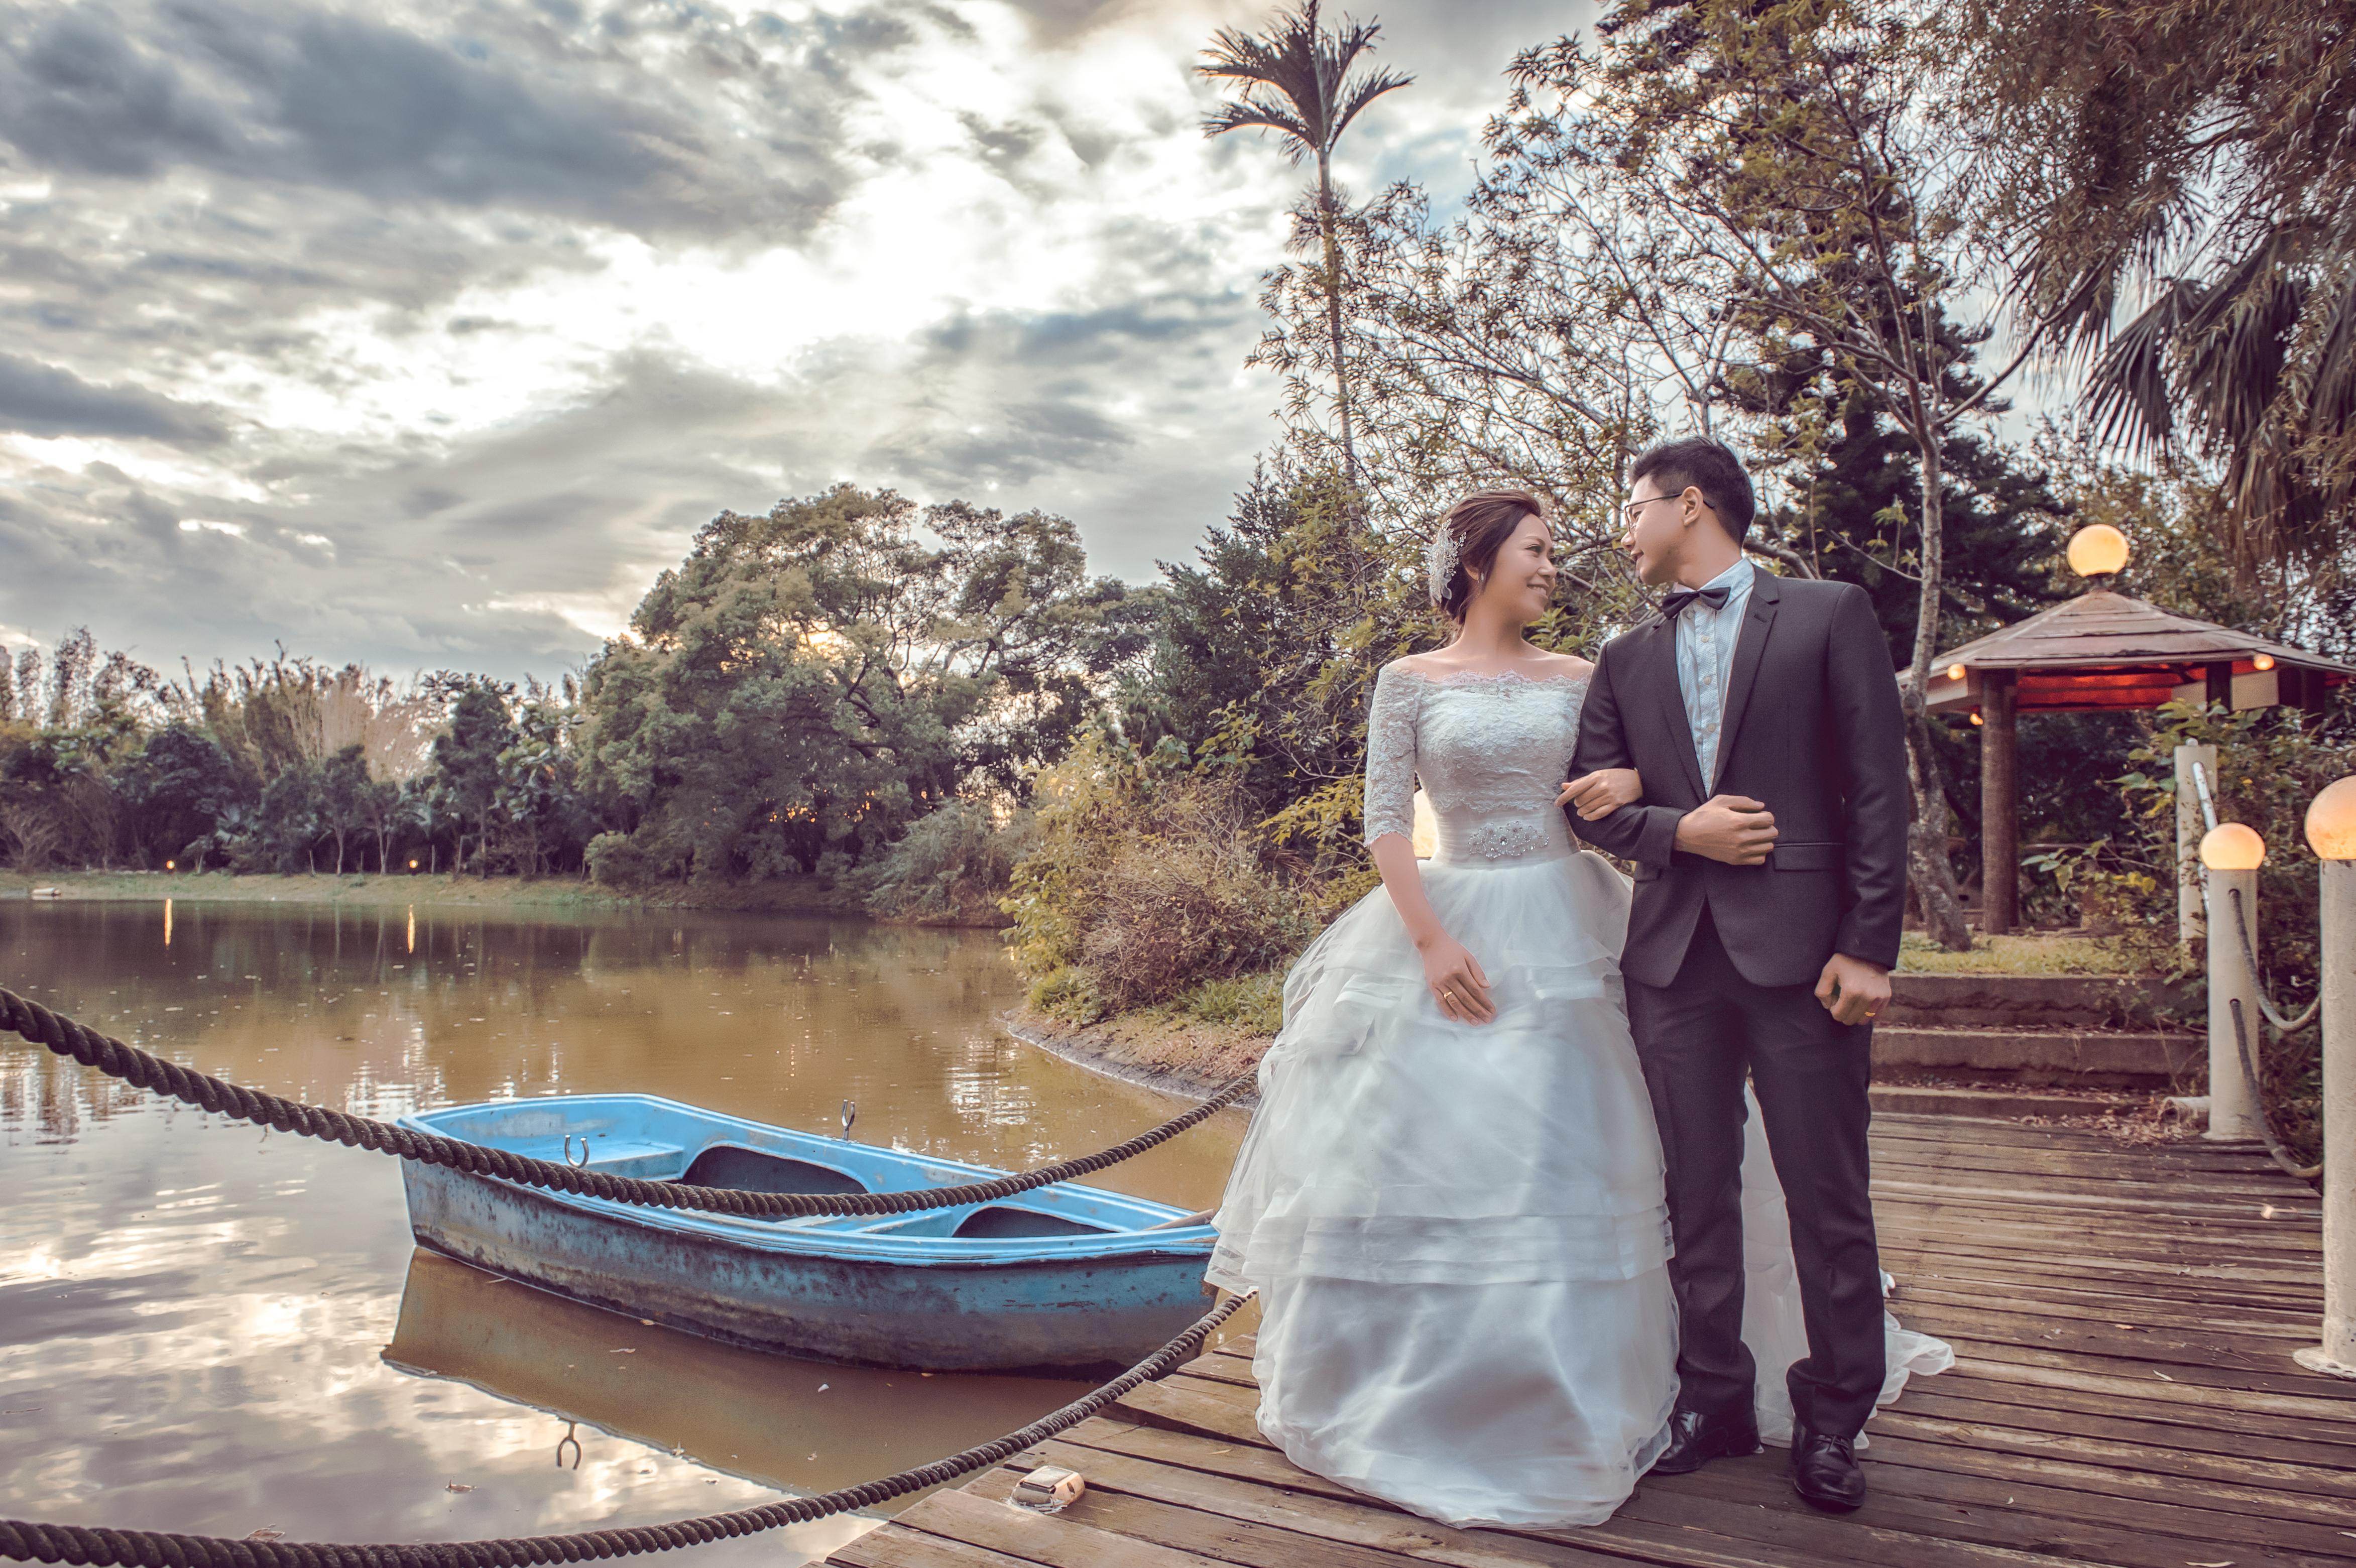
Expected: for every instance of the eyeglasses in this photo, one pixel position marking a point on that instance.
(1628, 512)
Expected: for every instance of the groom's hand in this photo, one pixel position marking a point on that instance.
(1853, 991)
(1733, 828)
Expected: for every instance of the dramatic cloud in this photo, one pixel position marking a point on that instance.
(427, 335)
(42, 400)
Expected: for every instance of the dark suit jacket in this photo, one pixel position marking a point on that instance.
(1813, 729)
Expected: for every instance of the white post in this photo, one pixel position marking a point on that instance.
(2190, 827)
(2232, 1113)
(2335, 843)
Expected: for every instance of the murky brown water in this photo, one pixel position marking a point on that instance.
(209, 1328)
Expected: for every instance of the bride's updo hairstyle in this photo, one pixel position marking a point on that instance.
(1466, 545)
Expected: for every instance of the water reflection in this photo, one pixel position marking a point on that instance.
(803, 1424)
(193, 1311)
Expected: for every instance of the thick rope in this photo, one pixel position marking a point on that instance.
(2275, 1147)
(79, 1544)
(2250, 952)
(128, 1063)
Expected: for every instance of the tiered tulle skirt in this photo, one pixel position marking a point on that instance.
(1458, 1231)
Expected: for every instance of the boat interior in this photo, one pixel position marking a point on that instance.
(657, 1140)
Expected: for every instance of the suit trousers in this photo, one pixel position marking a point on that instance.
(1695, 1039)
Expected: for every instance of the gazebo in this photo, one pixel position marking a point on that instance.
(2099, 652)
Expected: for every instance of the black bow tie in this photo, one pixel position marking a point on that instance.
(1673, 605)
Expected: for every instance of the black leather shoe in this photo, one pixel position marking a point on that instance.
(1696, 1438)
(1825, 1470)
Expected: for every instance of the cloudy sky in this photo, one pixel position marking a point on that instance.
(426, 336)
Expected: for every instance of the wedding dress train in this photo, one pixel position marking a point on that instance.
(1458, 1231)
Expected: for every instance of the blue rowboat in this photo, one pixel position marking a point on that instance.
(1066, 1280)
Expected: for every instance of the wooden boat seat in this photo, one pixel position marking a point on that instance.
(743, 1169)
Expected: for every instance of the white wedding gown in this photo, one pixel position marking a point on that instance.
(1458, 1231)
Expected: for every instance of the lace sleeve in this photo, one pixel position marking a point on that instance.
(1390, 754)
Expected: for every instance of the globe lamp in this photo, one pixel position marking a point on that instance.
(2331, 821)
(2233, 846)
(2097, 550)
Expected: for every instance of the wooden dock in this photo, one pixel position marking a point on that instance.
(2122, 1322)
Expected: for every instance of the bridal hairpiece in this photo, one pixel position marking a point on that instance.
(1439, 560)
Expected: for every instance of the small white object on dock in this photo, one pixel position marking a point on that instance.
(1050, 1489)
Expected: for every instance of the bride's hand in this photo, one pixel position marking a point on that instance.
(1599, 794)
(1456, 980)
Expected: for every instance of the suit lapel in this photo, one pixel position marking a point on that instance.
(1757, 620)
(1661, 655)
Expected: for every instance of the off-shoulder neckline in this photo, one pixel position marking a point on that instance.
(1483, 677)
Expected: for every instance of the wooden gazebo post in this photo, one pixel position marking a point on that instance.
(2000, 805)
(2099, 652)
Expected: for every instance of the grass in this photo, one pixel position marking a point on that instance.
(2032, 955)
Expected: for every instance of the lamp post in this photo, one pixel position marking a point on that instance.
(2232, 853)
(2331, 833)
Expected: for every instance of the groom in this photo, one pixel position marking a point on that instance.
(1770, 852)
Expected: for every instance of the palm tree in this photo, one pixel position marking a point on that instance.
(2197, 149)
(1296, 82)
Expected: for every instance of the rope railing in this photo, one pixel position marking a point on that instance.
(2258, 987)
(117, 1059)
(85, 1544)
(2275, 1145)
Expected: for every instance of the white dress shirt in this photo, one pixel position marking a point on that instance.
(1706, 639)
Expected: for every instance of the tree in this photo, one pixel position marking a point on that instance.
(177, 791)
(291, 821)
(466, 763)
(2191, 157)
(1296, 82)
(808, 682)
(345, 801)
(1797, 161)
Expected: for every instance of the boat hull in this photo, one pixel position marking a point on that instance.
(1071, 1318)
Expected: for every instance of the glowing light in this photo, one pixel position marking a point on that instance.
(2263, 661)
(1977, 719)
(1954, 672)
(171, 865)
(412, 865)
(2331, 820)
(2233, 846)
(2097, 550)
(167, 922)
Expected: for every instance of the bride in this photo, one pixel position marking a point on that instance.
(1451, 1199)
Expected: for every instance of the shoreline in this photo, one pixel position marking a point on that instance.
(1184, 1060)
(377, 889)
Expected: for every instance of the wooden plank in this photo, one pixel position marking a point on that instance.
(2052, 1413)
(2062, 1371)
(2166, 1348)
(2112, 1453)
(2202, 1420)
(2204, 1534)
(2264, 1509)
(1260, 1487)
(892, 1547)
(2306, 1395)
(2011, 1520)
(1121, 1499)
(1053, 1541)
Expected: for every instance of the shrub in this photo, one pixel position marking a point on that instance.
(2270, 764)
(1149, 878)
(953, 868)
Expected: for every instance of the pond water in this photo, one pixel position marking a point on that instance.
(213, 1329)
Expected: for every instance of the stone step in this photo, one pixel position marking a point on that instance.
(2043, 1002)
(1933, 1100)
(2089, 1058)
